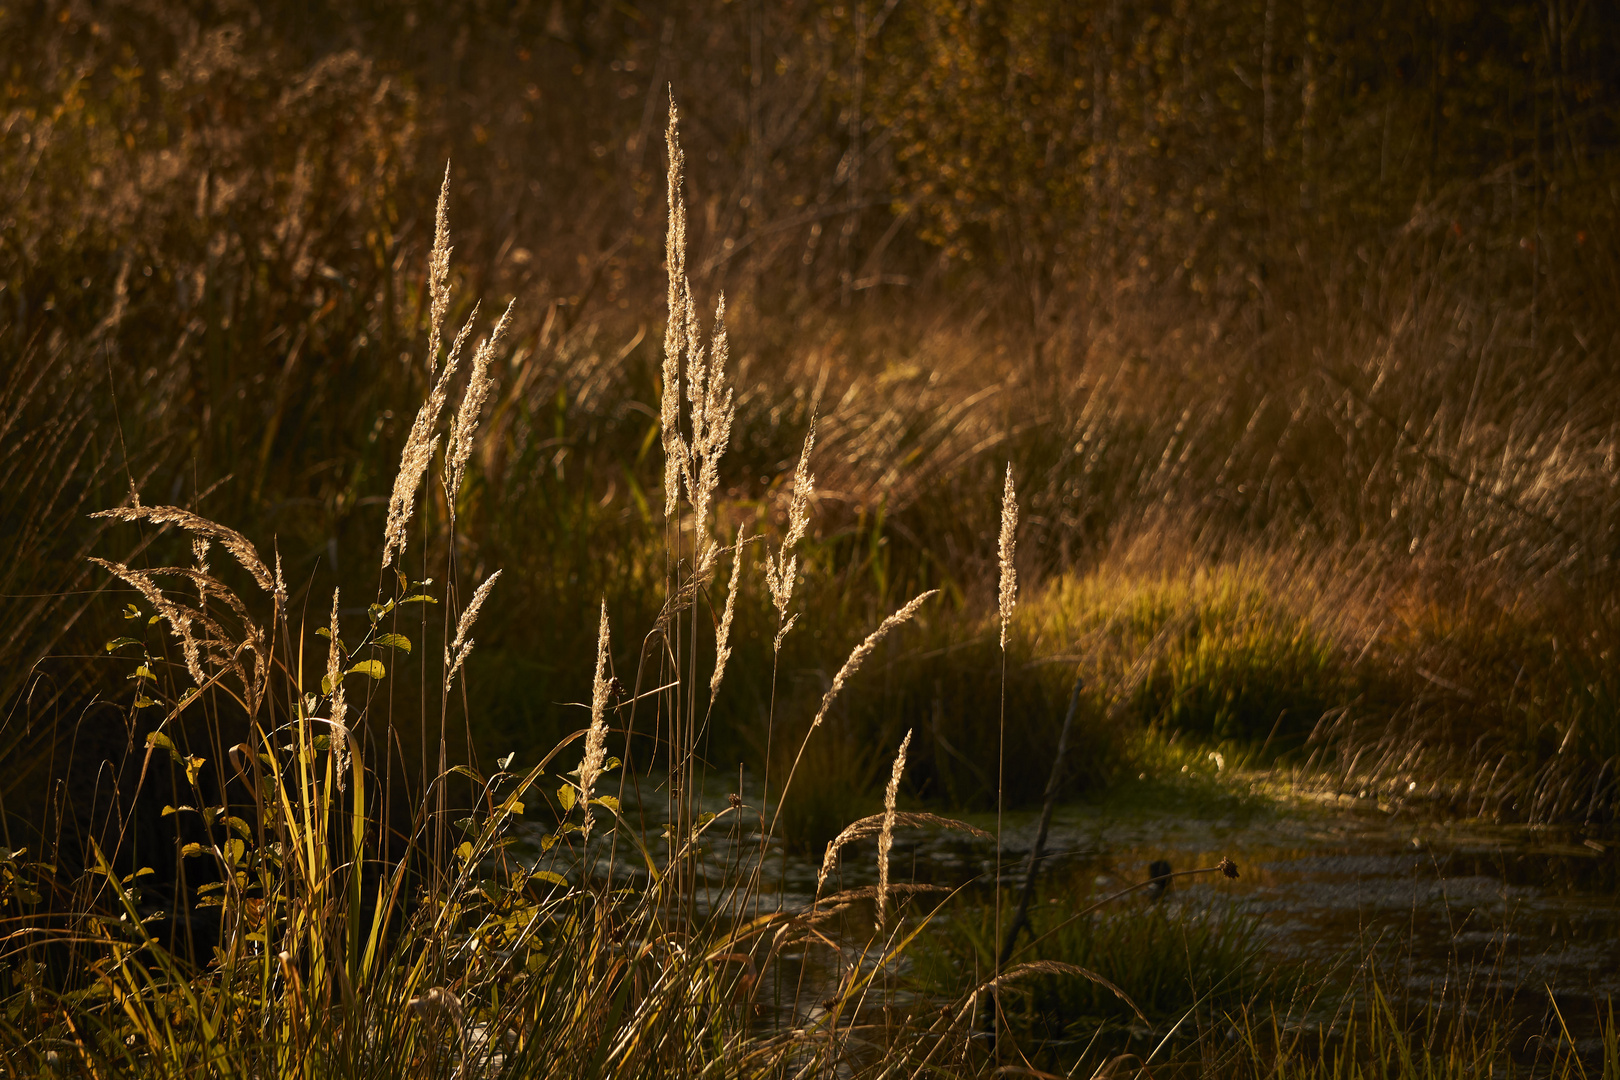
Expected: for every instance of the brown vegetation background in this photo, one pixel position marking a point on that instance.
(1319, 297)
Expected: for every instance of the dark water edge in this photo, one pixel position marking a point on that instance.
(1470, 918)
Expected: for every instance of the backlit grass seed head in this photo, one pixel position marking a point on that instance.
(596, 738)
(232, 541)
(439, 272)
(712, 413)
(863, 650)
(680, 298)
(722, 638)
(340, 706)
(886, 837)
(420, 446)
(456, 654)
(1009, 539)
(179, 618)
(781, 571)
(465, 423)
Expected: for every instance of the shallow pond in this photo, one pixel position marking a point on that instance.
(1510, 911)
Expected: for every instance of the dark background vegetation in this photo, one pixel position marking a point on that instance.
(1298, 322)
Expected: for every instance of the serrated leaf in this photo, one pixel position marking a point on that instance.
(373, 668)
(566, 795)
(549, 878)
(395, 641)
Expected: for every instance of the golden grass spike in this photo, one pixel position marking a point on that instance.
(456, 654)
(722, 641)
(675, 327)
(439, 272)
(863, 650)
(886, 836)
(465, 422)
(596, 738)
(1009, 540)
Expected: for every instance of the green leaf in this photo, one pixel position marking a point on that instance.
(396, 641)
(611, 803)
(131, 611)
(143, 672)
(193, 850)
(158, 739)
(144, 702)
(549, 878)
(419, 598)
(324, 632)
(566, 795)
(119, 642)
(373, 668)
(464, 850)
(326, 687)
(242, 828)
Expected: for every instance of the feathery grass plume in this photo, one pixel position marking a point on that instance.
(863, 650)
(781, 571)
(722, 639)
(1009, 539)
(456, 654)
(886, 837)
(232, 541)
(465, 422)
(712, 413)
(340, 705)
(439, 273)
(596, 738)
(680, 300)
(419, 451)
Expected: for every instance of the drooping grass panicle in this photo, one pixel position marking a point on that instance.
(886, 837)
(596, 738)
(722, 637)
(863, 650)
(864, 827)
(180, 618)
(1009, 539)
(783, 569)
(439, 273)
(456, 654)
(680, 300)
(239, 547)
(465, 422)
